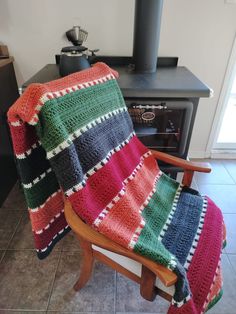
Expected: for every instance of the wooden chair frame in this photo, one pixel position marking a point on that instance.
(150, 270)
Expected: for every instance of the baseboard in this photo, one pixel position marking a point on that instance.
(223, 154)
(214, 154)
(198, 154)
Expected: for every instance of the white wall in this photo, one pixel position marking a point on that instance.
(199, 32)
(34, 30)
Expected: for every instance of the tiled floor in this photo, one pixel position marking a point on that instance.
(28, 285)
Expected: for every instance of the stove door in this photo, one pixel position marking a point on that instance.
(162, 125)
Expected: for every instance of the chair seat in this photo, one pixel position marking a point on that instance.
(132, 266)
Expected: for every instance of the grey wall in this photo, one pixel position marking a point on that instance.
(199, 32)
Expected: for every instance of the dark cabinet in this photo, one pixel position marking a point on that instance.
(8, 95)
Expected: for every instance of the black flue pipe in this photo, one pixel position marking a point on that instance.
(147, 26)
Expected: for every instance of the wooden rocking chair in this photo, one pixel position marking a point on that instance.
(153, 278)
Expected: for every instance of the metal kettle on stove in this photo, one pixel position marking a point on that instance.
(75, 58)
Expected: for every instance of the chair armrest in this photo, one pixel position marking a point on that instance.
(188, 166)
(88, 234)
(182, 163)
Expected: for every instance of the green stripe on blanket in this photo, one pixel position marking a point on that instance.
(56, 121)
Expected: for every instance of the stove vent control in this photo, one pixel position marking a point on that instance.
(151, 106)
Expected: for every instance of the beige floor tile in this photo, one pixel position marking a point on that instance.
(23, 237)
(218, 175)
(128, 299)
(21, 312)
(15, 199)
(232, 259)
(70, 243)
(230, 222)
(62, 312)
(230, 166)
(2, 252)
(25, 281)
(97, 295)
(9, 221)
(223, 195)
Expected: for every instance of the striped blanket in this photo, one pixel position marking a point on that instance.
(74, 137)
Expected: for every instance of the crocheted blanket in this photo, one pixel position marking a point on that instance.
(74, 137)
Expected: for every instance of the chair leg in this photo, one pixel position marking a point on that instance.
(147, 284)
(87, 264)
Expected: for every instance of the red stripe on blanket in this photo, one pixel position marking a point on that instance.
(205, 260)
(41, 218)
(42, 241)
(124, 217)
(24, 137)
(105, 184)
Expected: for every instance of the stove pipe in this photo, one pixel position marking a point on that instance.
(147, 26)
